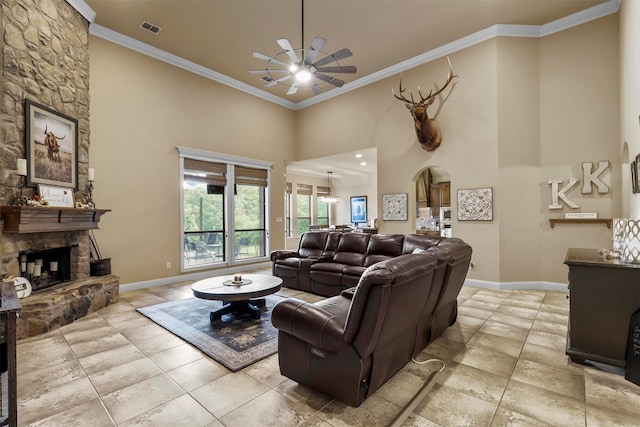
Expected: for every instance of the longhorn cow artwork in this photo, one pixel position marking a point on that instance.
(51, 142)
(52, 147)
(427, 129)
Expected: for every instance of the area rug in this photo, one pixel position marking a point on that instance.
(236, 341)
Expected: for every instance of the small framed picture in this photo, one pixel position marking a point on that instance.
(394, 207)
(634, 179)
(637, 180)
(56, 196)
(358, 209)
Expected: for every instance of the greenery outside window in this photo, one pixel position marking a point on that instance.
(303, 208)
(224, 209)
(287, 211)
(322, 211)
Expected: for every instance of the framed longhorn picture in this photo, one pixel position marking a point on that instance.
(52, 147)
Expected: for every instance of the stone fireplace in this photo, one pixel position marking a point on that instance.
(45, 58)
(69, 292)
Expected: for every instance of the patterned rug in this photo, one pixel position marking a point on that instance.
(235, 341)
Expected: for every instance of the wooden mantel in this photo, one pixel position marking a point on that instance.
(32, 219)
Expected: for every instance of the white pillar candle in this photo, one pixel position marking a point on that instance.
(38, 262)
(37, 270)
(23, 266)
(30, 266)
(23, 258)
(91, 174)
(22, 167)
(53, 266)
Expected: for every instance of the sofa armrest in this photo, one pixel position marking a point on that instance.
(348, 293)
(310, 324)
(275, 255)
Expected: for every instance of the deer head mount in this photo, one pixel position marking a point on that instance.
(427, 129)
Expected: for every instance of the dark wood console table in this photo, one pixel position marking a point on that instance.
(9, 309)
(603, 295)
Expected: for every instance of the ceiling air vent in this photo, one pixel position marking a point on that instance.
(267, 79)
(150, 27)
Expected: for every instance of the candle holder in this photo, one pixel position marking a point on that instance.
(20, 199)
(90, 197)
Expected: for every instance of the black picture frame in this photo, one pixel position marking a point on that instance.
(358, 209)
(51, 147)
(634, 178)
(636, 181)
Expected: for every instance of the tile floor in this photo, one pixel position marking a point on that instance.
(505, 367)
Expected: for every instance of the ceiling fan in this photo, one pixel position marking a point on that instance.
(300, 68)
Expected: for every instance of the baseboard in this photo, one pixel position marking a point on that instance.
(512, 286)
(485, 284)
(194, 276)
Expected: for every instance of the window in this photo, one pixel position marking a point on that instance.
(322, 207)
(203, 212)
(303, 208)
(250, 212)
(224, 209)
(287, 211)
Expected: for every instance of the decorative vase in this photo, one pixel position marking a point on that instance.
(618, 234)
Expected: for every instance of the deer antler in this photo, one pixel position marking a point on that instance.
(431, 96)
(401, 97)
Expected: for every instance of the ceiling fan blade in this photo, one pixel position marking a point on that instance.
(341, 54)
(350, 69)
(293, 89)
(284, 43)
(275, 82)
(269, 58)
(334, 81)
(266, 71)
(316, 46)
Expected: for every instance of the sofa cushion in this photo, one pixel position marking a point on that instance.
(312, 244)
(414, 241)
(383, 247)
(352, 249)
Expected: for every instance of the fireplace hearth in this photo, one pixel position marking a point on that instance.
(51, 248)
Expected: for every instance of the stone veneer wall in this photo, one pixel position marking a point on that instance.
(45, 50)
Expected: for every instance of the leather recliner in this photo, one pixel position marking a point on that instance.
(348, 345)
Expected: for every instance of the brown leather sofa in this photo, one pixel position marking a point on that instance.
(348, 345)
(326, 263)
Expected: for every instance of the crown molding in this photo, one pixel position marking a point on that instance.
(500, 30)
(83, 9)
(169, 58)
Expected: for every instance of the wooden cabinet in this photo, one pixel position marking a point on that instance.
(603, 295)
(445, 193)
(9, 309)
(439, 196)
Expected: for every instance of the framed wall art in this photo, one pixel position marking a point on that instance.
(475, 204)
(358, 209)
(394, 207)
(634, 178)
(52, 147)
(56, 196)
(636, 182)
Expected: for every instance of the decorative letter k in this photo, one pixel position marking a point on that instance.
(561, 194)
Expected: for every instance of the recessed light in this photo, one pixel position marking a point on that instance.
(363, 163)
(358, 156)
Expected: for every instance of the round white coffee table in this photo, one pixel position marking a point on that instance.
(239, 298)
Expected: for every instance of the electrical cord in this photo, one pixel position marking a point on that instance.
(420, 395)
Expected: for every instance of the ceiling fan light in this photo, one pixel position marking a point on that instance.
(303, 75)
